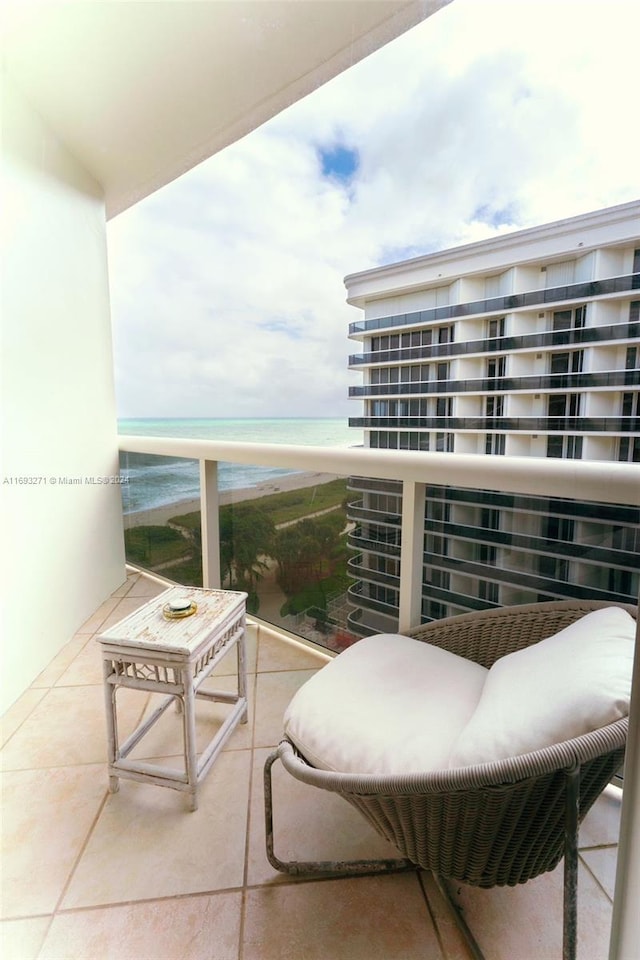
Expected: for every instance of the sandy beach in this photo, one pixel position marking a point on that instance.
(294, 481)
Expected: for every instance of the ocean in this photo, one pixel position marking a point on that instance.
(156, 481)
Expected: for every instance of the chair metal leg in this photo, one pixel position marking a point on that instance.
(459, 919)
(337, 868)
(570, 899)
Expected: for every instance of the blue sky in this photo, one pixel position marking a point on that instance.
(227, 285)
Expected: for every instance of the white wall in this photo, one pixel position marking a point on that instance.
(62, 543)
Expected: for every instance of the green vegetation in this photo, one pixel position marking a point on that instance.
(150, 546)
(309, 550)
(281, 507)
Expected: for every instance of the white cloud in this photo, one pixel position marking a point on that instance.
(227, 285)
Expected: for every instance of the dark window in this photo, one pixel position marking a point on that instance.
(620, 581)
(438, 510)
(487, 590)
(490, 518)
(487, 554)
(495, 406)
(558, 528)
(567, 362)
(442, 371)
(554, 446)
(574, 448)
(495, 444)
(566, 319)
(496, 367)
(564, 405)
(556, 568)
(629, 449)
(445, 334)
(496, 328)
(562, 319)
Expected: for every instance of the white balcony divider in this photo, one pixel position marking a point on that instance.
(411, 554)
(597, 481)
(210, 523)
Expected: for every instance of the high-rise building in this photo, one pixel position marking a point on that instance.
(527, 345)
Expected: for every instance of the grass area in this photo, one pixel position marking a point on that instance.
(154, 544)
(283, 507)
(315, 594)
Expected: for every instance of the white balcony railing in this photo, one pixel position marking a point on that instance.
(594, 481)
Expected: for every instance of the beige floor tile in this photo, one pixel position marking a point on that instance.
(526, 921)
(86, 667)
(453, 943)
(192, 928)
(52, 673)
(275, 653)
(126, 586)
(46, 816)
(273, 694)
(19, 711)
(228, 665)
(22, 939)
(147, 844)
(602, 824)
(124, 608)
(602, 863)
(145, 588)
(165, 738)
(372, 918)
(309, 824)
(97, 619)
(68, 727)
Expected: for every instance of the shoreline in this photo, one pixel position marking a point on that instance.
(158, 516)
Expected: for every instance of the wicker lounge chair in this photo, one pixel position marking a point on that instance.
(494, 823)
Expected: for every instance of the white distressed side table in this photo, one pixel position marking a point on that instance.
(146, 651)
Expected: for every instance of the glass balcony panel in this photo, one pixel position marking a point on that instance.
(285, 543)
(161, 514)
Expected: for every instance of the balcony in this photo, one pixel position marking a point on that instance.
(533, 298)
(88, 874)
(530, 384)
(530, 341)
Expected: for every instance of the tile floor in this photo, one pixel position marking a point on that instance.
(95, 876)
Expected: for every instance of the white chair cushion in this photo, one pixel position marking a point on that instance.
(568, 684)
(388, 704)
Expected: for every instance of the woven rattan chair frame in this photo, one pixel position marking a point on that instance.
(499, 823)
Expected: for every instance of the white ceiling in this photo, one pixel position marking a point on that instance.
(143, 90)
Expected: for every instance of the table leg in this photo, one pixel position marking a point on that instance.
(242, 671)
(112, 722)
(189, 726)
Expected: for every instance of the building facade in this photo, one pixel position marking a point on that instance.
(524, 345)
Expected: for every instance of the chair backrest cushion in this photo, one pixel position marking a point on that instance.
(571, 683)
(387, 705)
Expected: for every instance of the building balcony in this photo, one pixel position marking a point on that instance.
(529, 384)
(135, 875)
(572, 292)
(581, 425)
(530, 341)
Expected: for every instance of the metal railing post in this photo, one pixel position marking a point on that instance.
(209, 523)
(625, 922)
(411, 555)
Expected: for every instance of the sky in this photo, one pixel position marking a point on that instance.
(227, 285)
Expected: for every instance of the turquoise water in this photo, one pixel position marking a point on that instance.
(156, 481)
